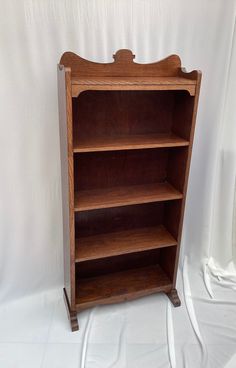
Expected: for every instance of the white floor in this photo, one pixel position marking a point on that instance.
(148, 332)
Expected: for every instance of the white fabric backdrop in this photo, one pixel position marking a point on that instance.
(146, 332)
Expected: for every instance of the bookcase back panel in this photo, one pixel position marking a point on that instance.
(129, 217)
(118, 263)
(99, 170)
(118, 168)
(163, 257)
(114, 113)
(118, 218)
(122, 113)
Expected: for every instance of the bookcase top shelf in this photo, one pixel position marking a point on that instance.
(124, 73)
(149, 81)
(133, 83)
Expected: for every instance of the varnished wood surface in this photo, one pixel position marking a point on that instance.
(79, 88)
(139, 141)
(61, 80)
(117, 103)
(120, 286)
(67, 179)
(129, 83)
(192, 110)
(116, 219)
(122, 196)
(100, 170)
(174, 298)
(122, 113)
(122, 66)
(122, 242)
(119, 263)
(72, 315)
(168, 81)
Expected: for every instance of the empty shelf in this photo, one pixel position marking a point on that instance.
(122, 242)
(122, 196)
(141, 141)
(123, 285)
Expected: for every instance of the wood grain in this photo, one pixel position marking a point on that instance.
(120, 286)
(123, 262)
(123, 168)
(123, 196)
(174, 297)
(116, 219)
(162, 81)
(123, 113)
(122, 242)
(123, 66)
(192, 115)
(141, 83)
(67, 179)
(127, 142)
(72, 314)
(79, 88)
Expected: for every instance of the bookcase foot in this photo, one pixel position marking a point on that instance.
(174, 298)
(74, 322)
(72, 315)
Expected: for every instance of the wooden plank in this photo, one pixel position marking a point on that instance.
(78, 88)
(167, 81)
(67, 179)
(122, 242)
(122, 196)
(115, 143)
(120, 286)
(197, 76)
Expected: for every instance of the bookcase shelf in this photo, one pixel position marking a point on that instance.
(122, 242)
(148, 83)
(123, 196)
(123, 285)
(127, 142)
(126, 136)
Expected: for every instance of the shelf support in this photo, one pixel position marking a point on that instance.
(174, 298)
(72, 315)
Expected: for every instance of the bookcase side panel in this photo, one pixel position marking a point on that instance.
(67, 182)
(197, 75)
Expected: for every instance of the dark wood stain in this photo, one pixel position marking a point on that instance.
(126, 132)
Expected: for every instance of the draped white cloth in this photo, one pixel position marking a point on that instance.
(147, 332)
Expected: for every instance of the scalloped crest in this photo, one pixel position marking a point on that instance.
(123, 65)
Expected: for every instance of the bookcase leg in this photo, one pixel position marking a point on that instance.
(74, 321)
(72, 315)
(174, 298)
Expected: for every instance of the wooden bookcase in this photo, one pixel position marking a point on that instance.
(126, 133)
